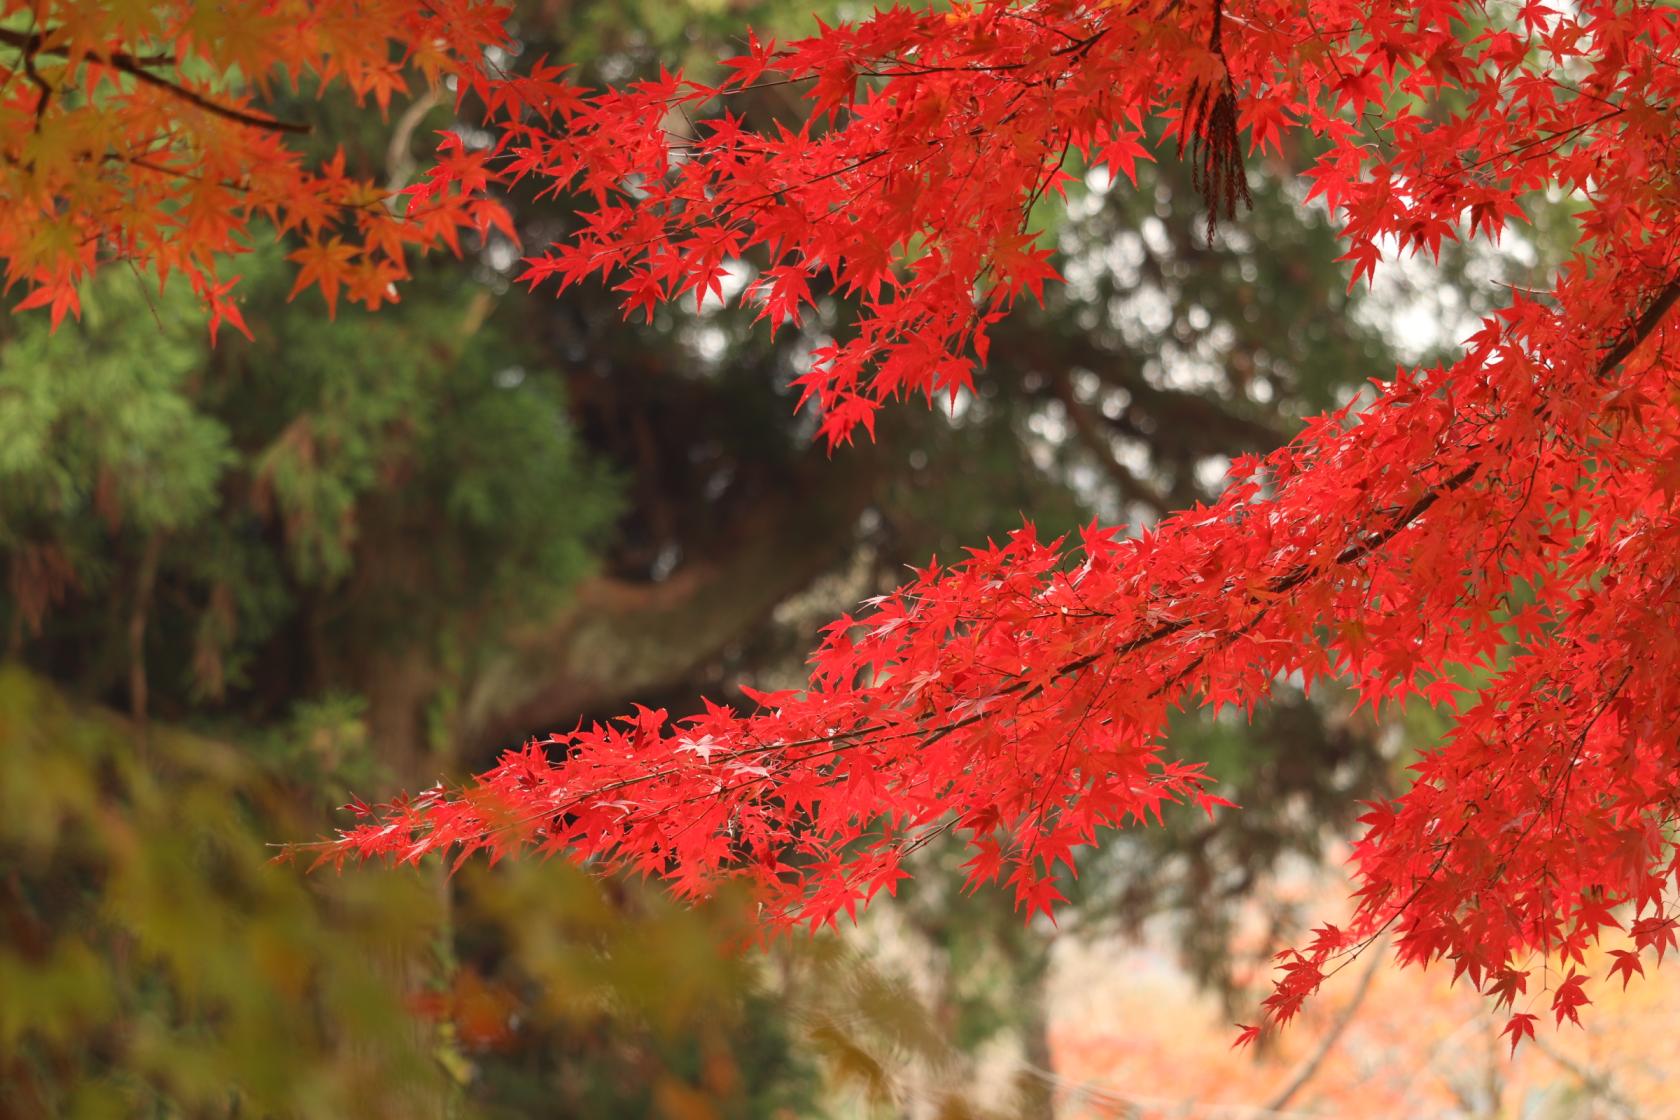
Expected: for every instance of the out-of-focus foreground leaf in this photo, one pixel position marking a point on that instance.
(153, 963)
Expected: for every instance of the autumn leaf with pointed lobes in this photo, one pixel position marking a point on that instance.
(1121, 152)
(224, 308)
(782, 291)
(60, 295)
(1658, 931)
(1519, 1026)
(187, 164)
(1366, 256)
(324, 265)
(1568, 998)
(1627, 963)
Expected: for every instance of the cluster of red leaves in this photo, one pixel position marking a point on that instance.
(128, 132)
(1512, 514)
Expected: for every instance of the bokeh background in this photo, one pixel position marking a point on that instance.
(239, 585)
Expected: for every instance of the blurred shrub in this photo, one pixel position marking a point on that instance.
(154, 963)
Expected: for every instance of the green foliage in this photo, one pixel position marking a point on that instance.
(422, 425)
(157, 965)
(100, 422)
(411, 450)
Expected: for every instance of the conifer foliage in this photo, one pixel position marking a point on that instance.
(1498, 534)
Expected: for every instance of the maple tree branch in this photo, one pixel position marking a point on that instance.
(216, 108)
(33, 43)
(40, 83)
(1352, 953)
(137, 67)
(1636, 333)
(1308, 1068)
(847, 740)
(1640, 329)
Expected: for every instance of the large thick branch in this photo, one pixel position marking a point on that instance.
(1191, 417)
(618, 640)
(1099, 443)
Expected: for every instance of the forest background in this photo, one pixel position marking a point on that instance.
(243, 582)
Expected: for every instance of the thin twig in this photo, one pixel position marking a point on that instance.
(136, 67)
